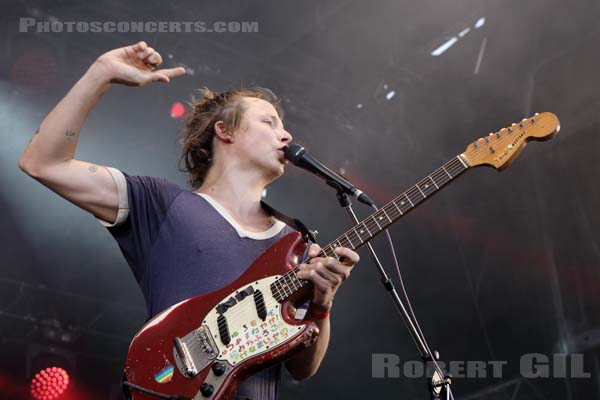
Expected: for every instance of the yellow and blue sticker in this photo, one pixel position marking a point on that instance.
(165, 375)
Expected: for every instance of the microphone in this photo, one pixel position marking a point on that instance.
(298, 156)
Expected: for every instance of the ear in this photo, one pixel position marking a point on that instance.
(222, 132)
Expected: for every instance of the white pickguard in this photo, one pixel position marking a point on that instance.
(250, 335)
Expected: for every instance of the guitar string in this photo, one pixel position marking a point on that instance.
(476, 156)
(372, 225)
(369, 223)
(451, 168)
(454, 167)
(295, 285)
(270, 301)
(214, 329)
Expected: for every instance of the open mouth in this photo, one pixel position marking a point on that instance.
(282, 156)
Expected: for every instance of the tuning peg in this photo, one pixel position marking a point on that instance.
(521, 124)
(536, 114)
(498, 135)
(510, 129)
(491, 133)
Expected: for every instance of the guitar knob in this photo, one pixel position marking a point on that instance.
(219, 368)
(207, 389)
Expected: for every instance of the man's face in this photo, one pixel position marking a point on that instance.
(261, 138)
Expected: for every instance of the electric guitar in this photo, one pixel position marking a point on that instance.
(205, 346)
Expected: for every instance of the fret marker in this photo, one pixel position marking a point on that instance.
(380, 218)
(402, 203)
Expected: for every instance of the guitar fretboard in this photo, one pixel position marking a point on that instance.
(374, 224)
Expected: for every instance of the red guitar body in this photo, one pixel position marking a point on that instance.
(186, 351)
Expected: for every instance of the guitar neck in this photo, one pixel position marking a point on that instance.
(368, 228)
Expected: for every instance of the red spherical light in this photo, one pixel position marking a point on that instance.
(49, 384)
(177, 110)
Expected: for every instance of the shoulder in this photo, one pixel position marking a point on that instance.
(151, 183)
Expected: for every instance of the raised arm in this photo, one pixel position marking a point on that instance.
(49, 156)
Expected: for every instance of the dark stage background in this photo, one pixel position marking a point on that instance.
(498, 265)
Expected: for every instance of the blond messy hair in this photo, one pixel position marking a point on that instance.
(209, 108)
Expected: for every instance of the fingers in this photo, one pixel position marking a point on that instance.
(341, 271)
(314, 250)
(146, 54)
(158, 77)
(324, 288)
(347, 256)
(172, 72)
(165, 75)
(139, 46)
(327, 271)
(154, 59)
(150, 56)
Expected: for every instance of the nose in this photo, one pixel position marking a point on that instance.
(286, 137)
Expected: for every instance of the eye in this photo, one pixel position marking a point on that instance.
(268, 121)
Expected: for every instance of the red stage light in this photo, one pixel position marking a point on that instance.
(49, 383)
(177, 110)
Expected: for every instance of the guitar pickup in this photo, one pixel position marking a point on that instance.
(259, 302)
(223, 329)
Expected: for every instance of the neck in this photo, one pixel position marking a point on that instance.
(238, 190)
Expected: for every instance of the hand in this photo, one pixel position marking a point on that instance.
(327, 274)
(134, 66)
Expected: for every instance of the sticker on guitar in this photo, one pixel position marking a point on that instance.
(256, 337)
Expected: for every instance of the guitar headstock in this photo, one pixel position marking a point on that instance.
(500, 148)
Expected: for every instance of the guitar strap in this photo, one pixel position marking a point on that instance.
(295, 223)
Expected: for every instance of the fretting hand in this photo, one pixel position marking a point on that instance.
(327, 274)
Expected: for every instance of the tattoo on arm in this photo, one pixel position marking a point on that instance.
(92, 168)
(70, 134)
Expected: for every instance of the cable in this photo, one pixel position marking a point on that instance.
(410, 309)
(153, 393)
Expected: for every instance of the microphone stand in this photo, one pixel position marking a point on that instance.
(439, 379)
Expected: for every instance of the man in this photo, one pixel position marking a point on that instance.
(183, 243)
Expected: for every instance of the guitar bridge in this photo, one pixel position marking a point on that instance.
(183, 352)
(194, 352)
